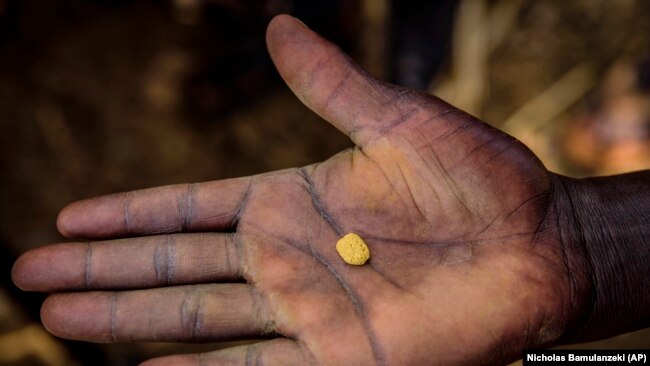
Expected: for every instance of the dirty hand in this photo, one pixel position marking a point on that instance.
(466, 265)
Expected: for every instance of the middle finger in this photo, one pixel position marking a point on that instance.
(142, 262)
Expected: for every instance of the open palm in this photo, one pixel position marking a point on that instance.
(466, 262)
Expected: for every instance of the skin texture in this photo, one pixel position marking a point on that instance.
(468, 265)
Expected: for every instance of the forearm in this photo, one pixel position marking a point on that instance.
(604, 225)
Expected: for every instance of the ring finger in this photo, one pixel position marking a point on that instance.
(208, 312)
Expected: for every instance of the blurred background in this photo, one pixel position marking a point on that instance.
(101, 96)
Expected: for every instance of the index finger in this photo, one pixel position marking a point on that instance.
(177, 208)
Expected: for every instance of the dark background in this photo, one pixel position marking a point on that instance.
(105, 96)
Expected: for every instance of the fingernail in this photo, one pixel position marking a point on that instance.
(300, 21)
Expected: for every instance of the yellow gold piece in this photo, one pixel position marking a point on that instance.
(353, 249)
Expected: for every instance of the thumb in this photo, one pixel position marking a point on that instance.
(335, 87)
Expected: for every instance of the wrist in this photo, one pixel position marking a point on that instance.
(603, 224)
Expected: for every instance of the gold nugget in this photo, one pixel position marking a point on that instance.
(353, 249)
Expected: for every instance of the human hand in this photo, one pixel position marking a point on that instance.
(467, 263)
